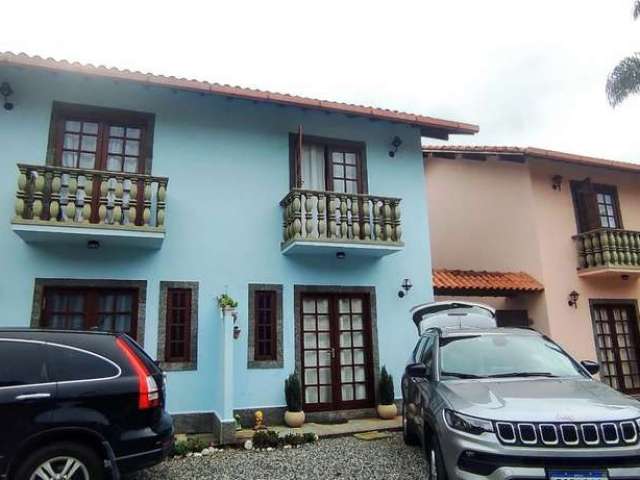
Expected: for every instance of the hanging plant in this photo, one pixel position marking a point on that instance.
(225, 301)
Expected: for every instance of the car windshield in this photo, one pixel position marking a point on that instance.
(504, 355)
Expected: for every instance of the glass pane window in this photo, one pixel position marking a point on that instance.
(178, 325)
(265, 327)
(79, 144)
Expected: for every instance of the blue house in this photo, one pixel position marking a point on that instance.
(132, 201)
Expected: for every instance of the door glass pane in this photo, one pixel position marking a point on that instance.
(310, 376)
(325, 394)
(361, 391)
(324, 358)
(324, 375)
(345, 340)
(323, 340)
(347, 374)
(323, 322)
(309, 322)
(347, 393)
(345, 322)
(310, 340)
(311, 394)
(310, 359)
(323, 305)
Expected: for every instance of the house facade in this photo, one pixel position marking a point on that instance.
(131, 202)
(549, 239)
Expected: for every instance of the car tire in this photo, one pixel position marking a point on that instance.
(84, 461)
(408, 434)
(435, 460)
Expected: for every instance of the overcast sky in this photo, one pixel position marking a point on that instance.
(529, 72)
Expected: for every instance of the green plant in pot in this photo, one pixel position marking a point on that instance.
(386, 397)
(294, 416)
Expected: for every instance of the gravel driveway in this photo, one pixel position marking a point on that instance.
(345, 457)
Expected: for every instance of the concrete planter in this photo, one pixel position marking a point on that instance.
(294, 419)
(387, 412)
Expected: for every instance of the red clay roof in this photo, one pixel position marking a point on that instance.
(427, 124)
(460, 281)
(534, 152)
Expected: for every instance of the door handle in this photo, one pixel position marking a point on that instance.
(33, 396)
(332, 352)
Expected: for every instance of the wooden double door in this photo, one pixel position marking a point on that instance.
(336, 346)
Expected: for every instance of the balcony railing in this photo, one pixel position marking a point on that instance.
(50, 196)
(368, 223)
(608, 251)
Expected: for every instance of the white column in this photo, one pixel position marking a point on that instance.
(227, 364)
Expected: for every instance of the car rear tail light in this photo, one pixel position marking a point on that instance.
(148, 394)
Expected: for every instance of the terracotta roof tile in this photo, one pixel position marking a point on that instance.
(451, 281)
(534, 152)
(426, 123)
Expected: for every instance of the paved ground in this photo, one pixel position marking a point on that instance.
(345, 457)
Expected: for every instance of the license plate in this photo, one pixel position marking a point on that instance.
(577, 475)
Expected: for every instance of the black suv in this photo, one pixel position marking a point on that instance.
(79, 406)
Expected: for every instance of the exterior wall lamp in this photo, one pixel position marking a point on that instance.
(573, 299)
(406, 286)
(556, 182)
(395, 145)
(6, 91)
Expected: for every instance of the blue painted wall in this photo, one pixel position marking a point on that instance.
(227, 163)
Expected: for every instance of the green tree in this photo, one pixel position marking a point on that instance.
(624, 80)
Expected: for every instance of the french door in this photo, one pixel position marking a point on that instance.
(111, 310)
(337, 362)
(616, 333)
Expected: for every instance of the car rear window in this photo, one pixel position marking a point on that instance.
(68, 364)
(21, 363)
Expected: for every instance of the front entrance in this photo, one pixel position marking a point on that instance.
(616, 333)
(336, 360)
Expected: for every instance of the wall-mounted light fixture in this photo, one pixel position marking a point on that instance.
(395, 145)
(6, 91)
(93, 244)
(340, 255)
(406, 286)
(573, 299)
(556, 182)
(236, 332)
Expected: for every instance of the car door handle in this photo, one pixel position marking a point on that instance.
(33, 396)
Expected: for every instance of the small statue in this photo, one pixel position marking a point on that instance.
(259, 417)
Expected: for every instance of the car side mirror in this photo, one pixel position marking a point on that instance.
(416, 370)
(591, 366)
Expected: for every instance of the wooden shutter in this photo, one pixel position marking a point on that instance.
(297, 156)
(586, 206)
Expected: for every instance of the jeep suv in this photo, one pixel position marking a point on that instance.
(509, 403)
(78, 406)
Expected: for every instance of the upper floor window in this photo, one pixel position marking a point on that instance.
(101, 139)
(596, 205)
(328, 165)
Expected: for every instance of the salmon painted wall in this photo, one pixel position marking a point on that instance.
(504, 216)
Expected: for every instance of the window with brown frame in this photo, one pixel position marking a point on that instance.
(265, 325)
(326, 164)
(178, 328)
(596, 205)
(106, 309)
(101, 139)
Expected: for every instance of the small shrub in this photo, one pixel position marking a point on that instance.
(293, 393)
(191, 444)
(310, 437)
(385, 388)
(266, 439)
(294, 439)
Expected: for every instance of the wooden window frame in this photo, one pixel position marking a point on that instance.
(597, 188)
(635, 332)
(329, 145)
(65, 111)
(91, 312)
(272, 324)
(190, 361)
(255, 361)
(169, 340)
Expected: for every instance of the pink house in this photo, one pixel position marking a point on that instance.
(550, 239)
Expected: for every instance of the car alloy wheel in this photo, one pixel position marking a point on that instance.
(61, 468)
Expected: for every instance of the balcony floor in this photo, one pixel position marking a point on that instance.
(70, 234)
(331, 248)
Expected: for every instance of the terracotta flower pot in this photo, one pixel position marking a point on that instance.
(294, 419)
(387, 412)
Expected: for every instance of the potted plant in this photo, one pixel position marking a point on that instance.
(386, 407)
(228, 306)
(294, 416)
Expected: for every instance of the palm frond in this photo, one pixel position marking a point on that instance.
(636, 10)
(624, 80)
